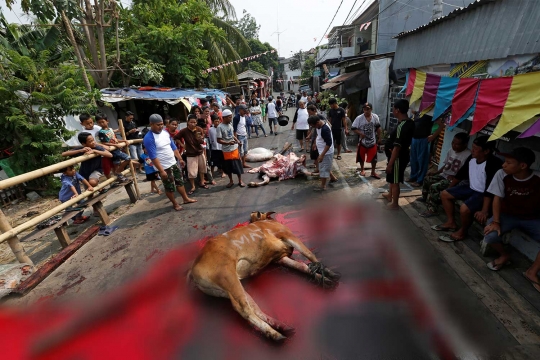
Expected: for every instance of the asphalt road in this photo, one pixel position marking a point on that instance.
(383, 309)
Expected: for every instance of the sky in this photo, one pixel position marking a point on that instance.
(300, 21)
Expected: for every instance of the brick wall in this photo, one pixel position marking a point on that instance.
(394, 95)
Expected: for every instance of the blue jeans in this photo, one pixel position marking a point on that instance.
(508, 223)
(257, 129)
(419, 159)
(135, 150)
(244, 144)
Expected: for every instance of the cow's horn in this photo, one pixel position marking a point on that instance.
(269, 213)
(258, 214)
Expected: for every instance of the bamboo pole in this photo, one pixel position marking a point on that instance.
(131, 167)
(13, 241)
(13, 232)
(19, 179)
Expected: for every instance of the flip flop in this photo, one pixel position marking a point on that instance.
(242, 184)
(339, 157)
(441, 228)
(362, 173)
(449, 238)
(535, 285)
(81, 220)
(203, 186)
(190, 192)
(179, 208)
(375, 176)
(230, 185)
(496, 267)
(319, 189)
(107, 230)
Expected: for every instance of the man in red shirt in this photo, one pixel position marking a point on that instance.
(516, 205)
(193, 137)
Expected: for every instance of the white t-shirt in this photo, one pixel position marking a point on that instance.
(241, 128)
(212, 135)
(477, 176)
(94, 132)
(301, 119)
(272, 114)
(304, 99)
(368, 128)
(161, 148)
(454, 161)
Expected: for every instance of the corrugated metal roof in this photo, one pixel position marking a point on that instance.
(486, 29)
(343, 77)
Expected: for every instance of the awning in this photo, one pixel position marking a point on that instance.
(341, 78)
(354, 81)
(329, 85)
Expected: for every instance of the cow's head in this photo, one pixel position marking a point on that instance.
(257, 215)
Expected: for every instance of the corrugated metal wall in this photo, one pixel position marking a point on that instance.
(490, 30)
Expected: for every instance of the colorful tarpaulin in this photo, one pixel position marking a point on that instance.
(411, 78)
(418, 89)
(492, 95)
(523, 103)
(532, 130)
(430, 91)
(445, 94)
(463, 100)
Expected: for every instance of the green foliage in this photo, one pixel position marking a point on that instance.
(247, 25)
(309, 67)
(268, 60)
(35, 96)
(256, 66)
(297, 60)
(147, 71)
(325, 96)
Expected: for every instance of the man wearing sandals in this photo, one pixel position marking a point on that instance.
(325, 146)
(516, 205)
(475, 177)
(162, 151)
(368, 128)
(229, 145)
(193, 137)
(300, 121)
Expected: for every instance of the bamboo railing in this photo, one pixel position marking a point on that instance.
(9, 234)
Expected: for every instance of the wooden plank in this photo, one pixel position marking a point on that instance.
(515, 324)
(98, 208)
(131, 192)
(94, 200)
(44, 271)
(63, 236)
(38, 233)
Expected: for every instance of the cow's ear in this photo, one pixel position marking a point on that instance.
(258, 215)
(269, 214)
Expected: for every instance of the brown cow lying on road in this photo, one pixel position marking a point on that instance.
(243, 252)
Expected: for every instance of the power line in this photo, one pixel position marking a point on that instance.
(341, 3)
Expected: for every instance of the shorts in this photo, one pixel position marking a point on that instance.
(301, 134)
(243, 147)
(272, 121)
(95, 175)
(398, 172)
(472, 198)
(364, 154)
(119, 156)
(196, 165)
(153, 176)
(173, 179)
(508, 223)
(336, 135)
(326, 166)
(107, 165)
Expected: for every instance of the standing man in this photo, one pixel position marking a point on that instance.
(398, 144)
(241, 133)
(302, 126)
(304, 97)
(325, 147)
(162, 151)
(231, 157)
(420, 148)
(272, 115)
(132, 133)
(368, 128)
(193, 137)
(338, 119)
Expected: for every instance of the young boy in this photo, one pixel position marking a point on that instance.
(71, 188)
(151, 173)
(107, 137)
(88, 125)
(91, 169)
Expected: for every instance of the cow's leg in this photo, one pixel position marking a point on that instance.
(276, 324)
(239, 300)
(329, 279)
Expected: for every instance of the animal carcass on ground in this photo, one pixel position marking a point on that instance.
(281, 167)
(245, 251)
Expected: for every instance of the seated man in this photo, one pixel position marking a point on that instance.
(478, 170)
(516, 205)
(436, 182)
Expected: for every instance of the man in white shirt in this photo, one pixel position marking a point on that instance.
(240, 132)
(304, 97)
(301, 122)
(368, 128)
(272, 115)
(162, 151)
(436, 182)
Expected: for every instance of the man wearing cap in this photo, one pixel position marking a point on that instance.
(516, 205)
(132, 133)
(231, 159)
(241, 132)
(368, 128)
(162, 151)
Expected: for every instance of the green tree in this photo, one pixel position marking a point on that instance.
(256, 66)
(309, 66)
(37, 91)
(267, 61)
(297, 61)
(248, 26)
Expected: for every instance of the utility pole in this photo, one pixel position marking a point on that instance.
(437, 9)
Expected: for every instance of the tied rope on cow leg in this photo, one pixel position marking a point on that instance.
(323, 276)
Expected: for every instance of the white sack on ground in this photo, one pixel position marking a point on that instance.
(259, 154)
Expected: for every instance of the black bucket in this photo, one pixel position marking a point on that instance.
(283, 120)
